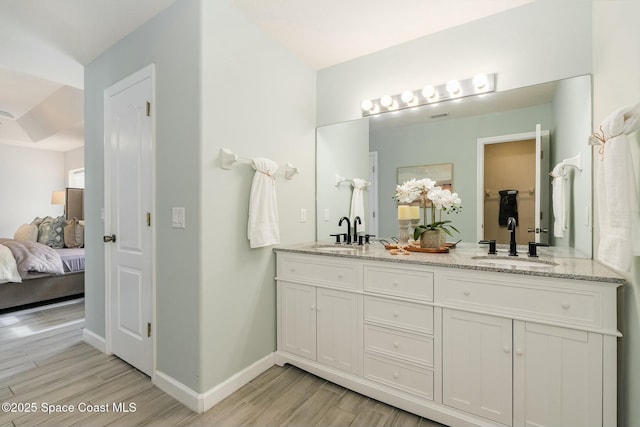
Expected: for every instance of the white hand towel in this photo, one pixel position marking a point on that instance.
(263, 228)
(616, 192)
(557, 195)
(357, 202)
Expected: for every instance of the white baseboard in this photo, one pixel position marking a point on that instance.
(174, 388)
(201, 402)
(94, 340)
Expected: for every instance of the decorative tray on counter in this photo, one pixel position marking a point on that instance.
(412, 248)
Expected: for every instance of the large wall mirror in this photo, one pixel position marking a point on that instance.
(374, 148)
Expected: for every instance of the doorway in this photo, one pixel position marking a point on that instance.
(513, 181)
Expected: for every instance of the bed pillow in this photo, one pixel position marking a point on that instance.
(26, 233)
(51, 232)
(8, 266)
(74, 233)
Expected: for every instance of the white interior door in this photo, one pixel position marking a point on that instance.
(372, 220)
(128, 233)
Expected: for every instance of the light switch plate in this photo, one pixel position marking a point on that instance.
(177, 218)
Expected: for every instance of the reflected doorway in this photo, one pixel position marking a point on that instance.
(513, 181)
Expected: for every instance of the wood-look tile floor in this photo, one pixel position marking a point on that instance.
(43, 360)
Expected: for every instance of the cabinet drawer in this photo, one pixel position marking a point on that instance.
(548, 302)
(395, 374)
(318, 270)
(415, 317)
(415, 284)
(414, 348)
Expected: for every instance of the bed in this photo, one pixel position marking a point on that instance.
(33, 272)
(57, 271)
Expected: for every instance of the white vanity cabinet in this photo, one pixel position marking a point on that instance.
(477, 364)
(399, 335)
(558, 376)
(464, 347)
(547, 345)
(318, 320)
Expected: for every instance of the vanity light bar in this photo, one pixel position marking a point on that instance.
(453, 89)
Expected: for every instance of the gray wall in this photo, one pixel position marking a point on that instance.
(616, 66)
(220, 82)
(28, 178)
(258, 100)
(172, 42)
(572, 111)
(342, 149)
(452, 141)
(539, 42)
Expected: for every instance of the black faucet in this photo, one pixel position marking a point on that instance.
(344, 218)
(511, 226)
(533, 249)
(356, 221)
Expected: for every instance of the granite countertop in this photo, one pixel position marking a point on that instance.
(552, 262)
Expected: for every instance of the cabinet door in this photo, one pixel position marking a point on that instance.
(557, 376)
(298, 311)
(477, 364)
(339, 343)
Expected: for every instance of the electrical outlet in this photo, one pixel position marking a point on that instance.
(326, 214)
(303, 215)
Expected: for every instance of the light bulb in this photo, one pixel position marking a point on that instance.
(453, 87)
(407, 96)
(430, 93)
(480, 80)
(386, 101)
(367, 105)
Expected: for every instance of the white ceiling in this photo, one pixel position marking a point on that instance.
(45, 44)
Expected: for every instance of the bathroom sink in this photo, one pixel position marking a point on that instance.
(513, 262)
(335, 249)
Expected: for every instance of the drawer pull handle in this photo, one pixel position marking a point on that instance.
(566, 305)
(395, 283)
(466, 292)
(506, 349)
(396, 375)
(396, 314)
(519, 351)
(396, 344)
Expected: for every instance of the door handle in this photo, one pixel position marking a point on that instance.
(108, 239)
(537, 230)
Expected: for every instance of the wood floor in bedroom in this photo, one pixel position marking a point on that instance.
(44, 360)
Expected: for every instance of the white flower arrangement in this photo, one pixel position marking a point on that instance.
(441, 199)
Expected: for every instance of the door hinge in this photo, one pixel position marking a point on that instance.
(148, 219)
(148, 109)
(148, 329)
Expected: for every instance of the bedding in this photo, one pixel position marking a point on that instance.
(31, 257)
(72, 259)
(8, 266)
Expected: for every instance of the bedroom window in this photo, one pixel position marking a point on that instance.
(76, 178)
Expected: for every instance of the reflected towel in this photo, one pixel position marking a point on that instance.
(508, 206)
(263, 228)
(357, 202)
(559, 206)
(616, 192)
